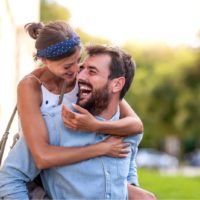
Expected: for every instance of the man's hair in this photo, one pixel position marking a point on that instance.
(121, 64)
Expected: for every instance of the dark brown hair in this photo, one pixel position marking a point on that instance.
(121, 63)
(49, 34)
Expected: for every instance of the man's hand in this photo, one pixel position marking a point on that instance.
(83, 120)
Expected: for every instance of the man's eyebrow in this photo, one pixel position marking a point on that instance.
(93, 67)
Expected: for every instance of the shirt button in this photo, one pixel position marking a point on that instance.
(107, 196)
(107, 173)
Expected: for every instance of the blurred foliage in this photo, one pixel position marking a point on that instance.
(87, 38)
(50, 11)
(166, 93)
(166, 88)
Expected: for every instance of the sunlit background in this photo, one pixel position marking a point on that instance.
(163, 36)
(174, 22)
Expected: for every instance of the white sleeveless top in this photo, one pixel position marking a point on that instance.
(50, 100)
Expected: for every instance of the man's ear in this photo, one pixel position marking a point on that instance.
(118, 84)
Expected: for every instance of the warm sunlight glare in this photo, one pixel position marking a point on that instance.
(171, 21)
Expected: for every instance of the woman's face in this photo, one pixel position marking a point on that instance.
(66, 68)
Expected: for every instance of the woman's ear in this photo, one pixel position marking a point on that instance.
(118, 84)
(44, 61)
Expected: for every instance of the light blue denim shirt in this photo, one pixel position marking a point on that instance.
(98, 178)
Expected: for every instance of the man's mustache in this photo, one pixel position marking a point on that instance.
(86, 83)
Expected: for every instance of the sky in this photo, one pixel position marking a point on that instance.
(172, 21)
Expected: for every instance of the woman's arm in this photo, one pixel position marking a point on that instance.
(36, 133)
(128, 124)
(135, 193)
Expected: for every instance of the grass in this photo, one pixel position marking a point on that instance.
(170, 187)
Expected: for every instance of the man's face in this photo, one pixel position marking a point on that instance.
(93, 83)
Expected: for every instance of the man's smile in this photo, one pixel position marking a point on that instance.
(85, 90)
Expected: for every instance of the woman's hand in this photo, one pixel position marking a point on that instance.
(83, 120)
(115, 147)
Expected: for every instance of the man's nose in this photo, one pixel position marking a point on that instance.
(82, 75)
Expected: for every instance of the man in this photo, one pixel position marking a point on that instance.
(103, 80)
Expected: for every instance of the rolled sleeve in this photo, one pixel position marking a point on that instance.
(132, 175)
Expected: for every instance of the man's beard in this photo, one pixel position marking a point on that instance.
(98, 101)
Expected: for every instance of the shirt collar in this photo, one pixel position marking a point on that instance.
(115, 117)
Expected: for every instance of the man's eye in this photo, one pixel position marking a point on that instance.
(92, 72)
(80, 69)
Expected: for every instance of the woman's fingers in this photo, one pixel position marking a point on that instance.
(66, 113)
(80, 109)
(125, 151)
(82, 120)
(69, 118)
(122, 155)
(122, 150)
(124, 145)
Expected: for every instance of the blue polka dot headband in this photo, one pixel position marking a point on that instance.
(59, 48)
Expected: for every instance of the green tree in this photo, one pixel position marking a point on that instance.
(50, 11)
(87, 38)
(166, 93)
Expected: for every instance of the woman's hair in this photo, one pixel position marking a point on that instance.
(54, 41)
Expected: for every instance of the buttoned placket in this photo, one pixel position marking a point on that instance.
(108, 184)
(106, 171)
(107, 179)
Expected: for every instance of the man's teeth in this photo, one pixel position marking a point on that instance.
(84, 90)
(84, 87)
(84, 93)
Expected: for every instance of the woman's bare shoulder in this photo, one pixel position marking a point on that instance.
(32, 79)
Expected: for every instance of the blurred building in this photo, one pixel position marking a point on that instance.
(16, 49)
(172, 146)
